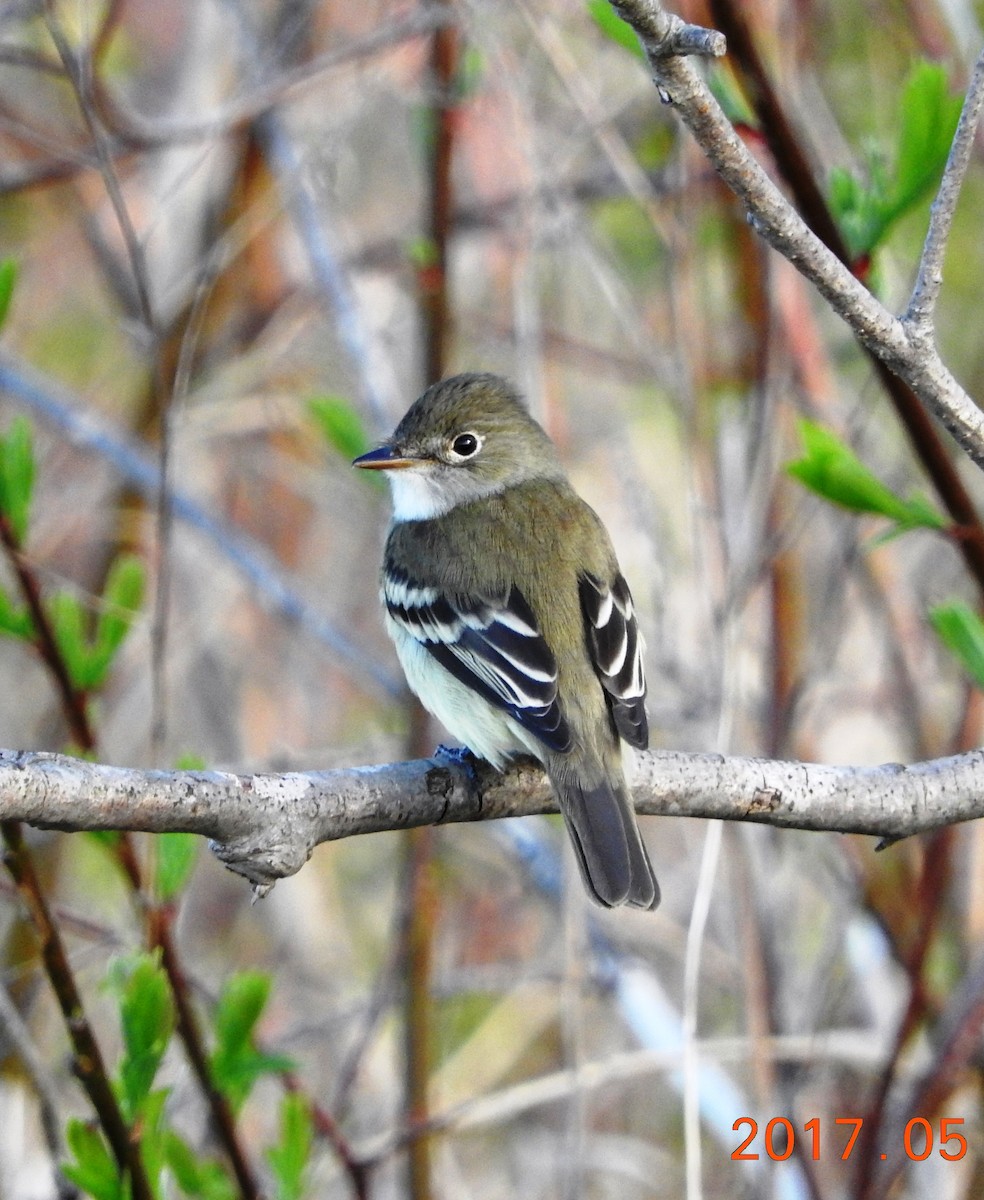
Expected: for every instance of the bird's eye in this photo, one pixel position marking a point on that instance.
(466, 445)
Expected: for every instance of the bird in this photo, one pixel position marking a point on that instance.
(510, 616)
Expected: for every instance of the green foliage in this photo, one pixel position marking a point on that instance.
(832, 470)
(461, 1014)
(654, 146)
(235, 1062)
(147, 1021)
(190, 762)
(629, 231)
(290, 1157)
(728, 93)
(962, 632)
(422, 252)
(151, 1125)
(470, 73)
(340, 424)
(94, 1170)
(15, 620)
(200, 1178)
(8, 280)
(176, 856)
(121, 599)
(17, 477)
(109, 839)
(423, 129)
(89, 658)
(614, 28)
(16, 489)
(867, 209)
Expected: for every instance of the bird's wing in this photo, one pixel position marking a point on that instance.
(491, 643)
(616, 647)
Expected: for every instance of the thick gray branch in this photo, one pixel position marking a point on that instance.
(907, 347)
(265, 826)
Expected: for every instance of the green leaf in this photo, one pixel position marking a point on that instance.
(8, 279)
(832, 470)
(200, 1178)
(121, 598)
(422, 252)
(150, 1122)
(88, 660)
(341, 425)
(237, 1077)
(468, 76)
(17, 476)
(928, 115)
(147, 1020)
(67, 619)
(929, 120)
(107, 838)
(94, 1169)
(423, 128)
(236, 1063)
(625, 226)
(727, 91)
(15, 620)
(240, 1006)
(962, 632)
(845, 192)
(289, 1159)
(614, 28)
(176, 856)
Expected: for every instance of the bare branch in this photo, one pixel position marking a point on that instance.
(19, 1036)
(141, 130)
(929, 280)
(265, 826)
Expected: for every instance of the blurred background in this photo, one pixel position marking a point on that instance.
(247, 233)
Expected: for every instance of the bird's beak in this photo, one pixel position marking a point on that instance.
(384, 458)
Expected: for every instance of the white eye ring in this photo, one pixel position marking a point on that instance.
(465, 445)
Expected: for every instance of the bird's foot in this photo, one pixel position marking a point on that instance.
(459, 756)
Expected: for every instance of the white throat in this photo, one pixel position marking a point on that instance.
(417, 496)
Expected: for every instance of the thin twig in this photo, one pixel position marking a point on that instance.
(16, 1032)
(420, 891)
(137, 130)
(78, 70)
(313, 224)
(930, 895)
(696, 929)
(325, 1124)
(918, 316)
(854, 1049)
(88, 1060)
(189, 1030)
(956, 1045)
(73, 701)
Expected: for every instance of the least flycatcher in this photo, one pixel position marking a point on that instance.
(510, 616)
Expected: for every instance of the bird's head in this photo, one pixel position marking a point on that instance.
(465, 438)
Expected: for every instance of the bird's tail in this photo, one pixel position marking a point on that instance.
(602, 825)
